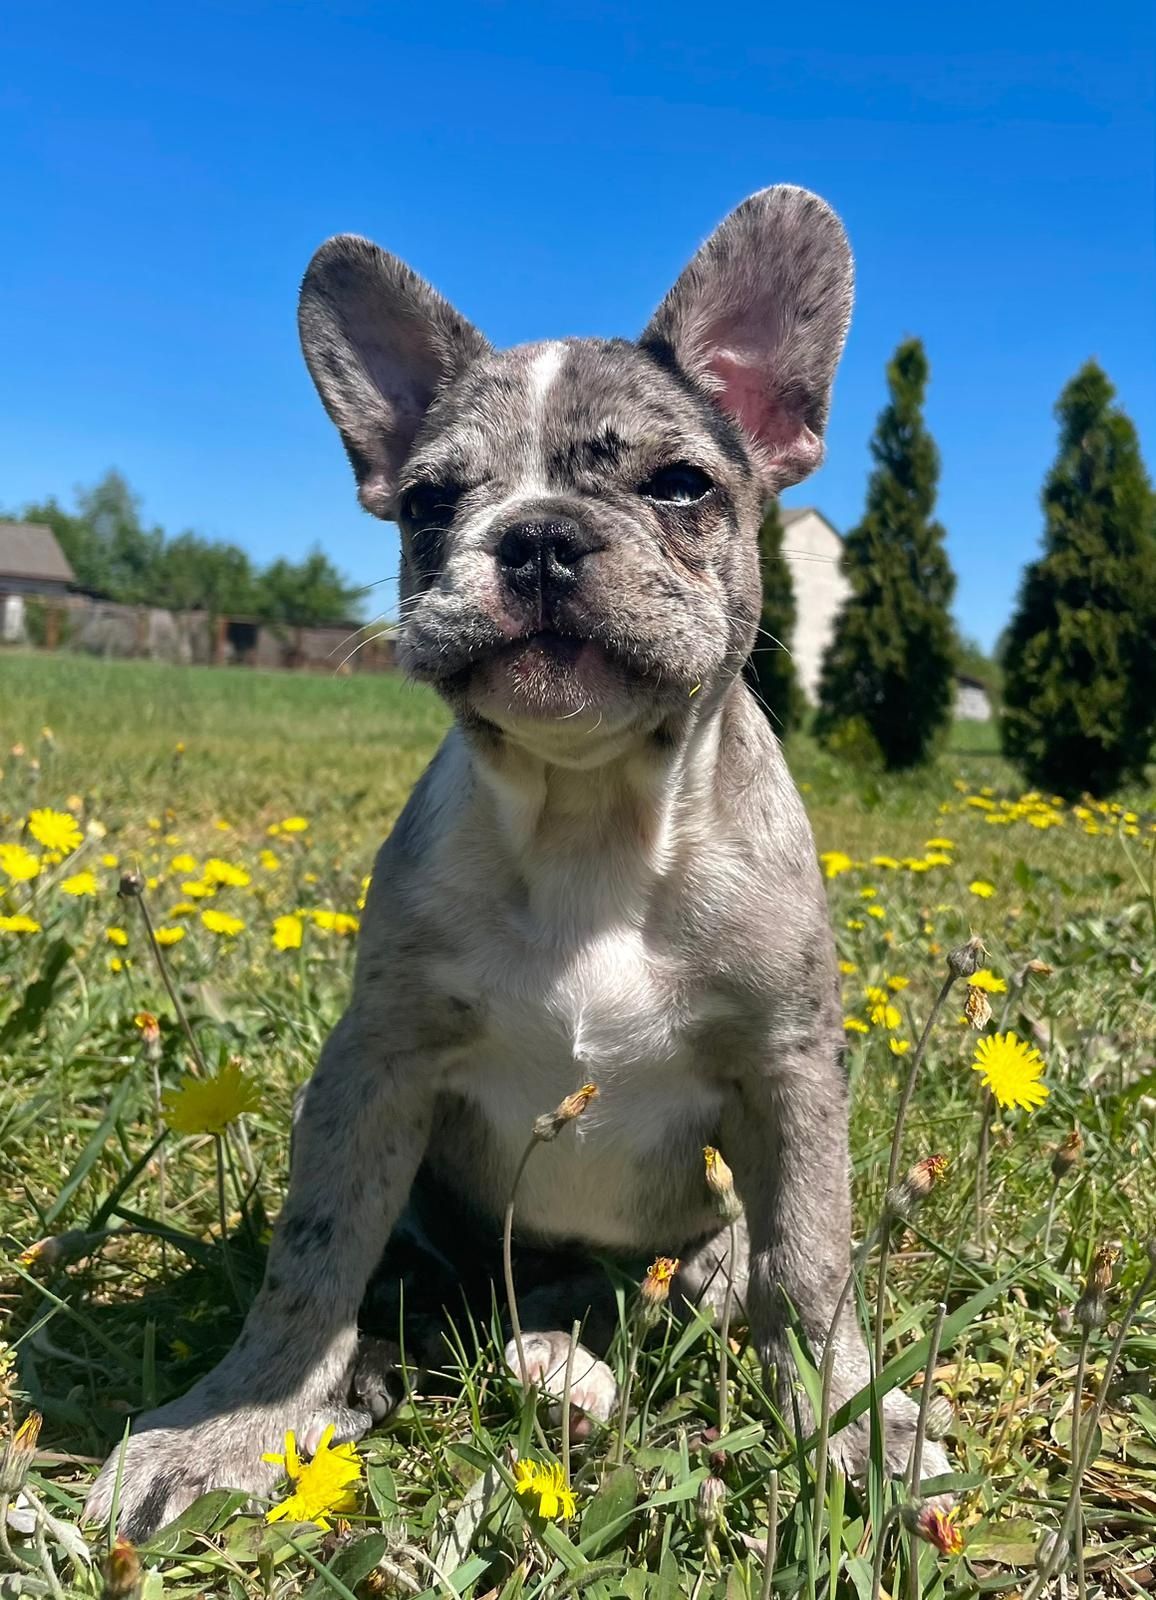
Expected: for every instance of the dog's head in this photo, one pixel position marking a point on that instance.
(579, 518)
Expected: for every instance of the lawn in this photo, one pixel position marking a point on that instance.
(252, 805)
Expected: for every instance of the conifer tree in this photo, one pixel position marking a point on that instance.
(890, 668)
(1080, 658)
(771, 669)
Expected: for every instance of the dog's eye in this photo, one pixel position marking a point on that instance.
(680, 484)
(429, 504)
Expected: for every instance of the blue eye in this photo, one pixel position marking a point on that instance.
(680, 484)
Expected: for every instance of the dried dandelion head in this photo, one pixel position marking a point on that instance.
(655, 1290)
(977, 1006)
(550, 1124)
(1067, 1154)
(915, 1186)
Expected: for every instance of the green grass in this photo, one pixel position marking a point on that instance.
(131, 1313)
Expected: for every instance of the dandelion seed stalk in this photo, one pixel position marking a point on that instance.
(962, 963)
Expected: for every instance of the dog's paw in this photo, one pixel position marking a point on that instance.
(851, 1448)
(593, 1388)
(168, 1461)
(162, 1470)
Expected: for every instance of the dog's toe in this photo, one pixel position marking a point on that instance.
(593, 1387)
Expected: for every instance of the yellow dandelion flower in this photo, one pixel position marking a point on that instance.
(183, 908)
(116, 936)
(834, 862)
(1012, 1070)
(547, 1485)
(884, 1016)
(180, 1350)
(79, 884)
(986, 979)
(855, 924)
(878, 912)
(224, 872)
(116, 964)
(888, 863)
(221, 922)
(980, 887)
(868, 893)
(19, 923)
(54, 830)
(222, 826)
(320, 1488)
(899, 1047)
(169, 936)
(109, 860)
(269, 861)
(288, 932)
(939, 844)
(335, 922)
(855, 1025)
(294, 824)
(184, 863)
(18, 864)
(847, 968)
(198, 889)
(208, 1105)
(936, 858)
(897, 984)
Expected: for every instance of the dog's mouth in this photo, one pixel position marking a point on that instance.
(547, 673)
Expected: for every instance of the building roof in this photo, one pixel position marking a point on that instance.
(790, 514)
(29, 550)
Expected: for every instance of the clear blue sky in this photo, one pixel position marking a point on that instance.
(166, 172)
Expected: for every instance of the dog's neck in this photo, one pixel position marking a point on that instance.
(637, 805)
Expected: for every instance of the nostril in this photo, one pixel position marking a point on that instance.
(520, 546)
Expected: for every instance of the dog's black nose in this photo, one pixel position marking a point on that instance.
(542, 557)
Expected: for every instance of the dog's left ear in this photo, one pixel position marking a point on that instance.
(758, 318)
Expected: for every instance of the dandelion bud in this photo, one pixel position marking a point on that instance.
(720, 1180)
(1067, 1154)
(940, 1417)
(550, 1124)
(17, 1455)
(914, 1187)
(131, 886)
(712, 1494)
(150, 1032)
(938, 1527)
(966, 960)
(58, 1249)
(1052, 1553)
(122, 1572)
(655, 1291)
(977, 1007)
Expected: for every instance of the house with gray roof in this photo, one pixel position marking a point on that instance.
(33, 564)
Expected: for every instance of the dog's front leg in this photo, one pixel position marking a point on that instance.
(361, 1135)
(788, 1134)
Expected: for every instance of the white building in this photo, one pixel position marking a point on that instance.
(813, 549)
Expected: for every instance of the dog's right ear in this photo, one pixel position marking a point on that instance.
(381, 344)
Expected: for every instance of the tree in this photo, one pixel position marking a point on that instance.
(770, 670)
(890, 669)
(306, 593)
(202, 575)
(1080, 658)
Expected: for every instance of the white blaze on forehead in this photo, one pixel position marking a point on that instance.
(544, 369)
